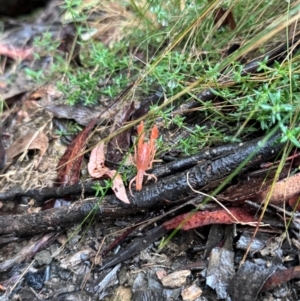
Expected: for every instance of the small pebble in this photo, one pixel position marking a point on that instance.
(191, 293)
(176, 279)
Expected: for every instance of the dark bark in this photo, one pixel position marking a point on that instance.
(179, 165)
(156, 195)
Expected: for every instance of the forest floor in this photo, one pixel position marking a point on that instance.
(149, 151)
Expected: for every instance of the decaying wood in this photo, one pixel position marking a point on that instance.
(58, 218)
(165, 191)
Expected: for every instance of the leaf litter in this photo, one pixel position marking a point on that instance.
(97, 169)
(33, 130)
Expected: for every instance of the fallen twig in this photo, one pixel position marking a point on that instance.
(182, 164)
(155, 195)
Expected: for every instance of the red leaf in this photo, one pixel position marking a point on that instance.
(202, 218)
(68, 168)
(280, 277)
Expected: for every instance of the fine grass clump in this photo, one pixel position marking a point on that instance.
(180, 47)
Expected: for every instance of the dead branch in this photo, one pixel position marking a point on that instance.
(170, 189)
(182, 164)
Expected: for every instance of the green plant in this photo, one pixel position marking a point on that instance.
(180, 47)
(107, 79)
(73, 128)
(36, 75)
(101, 191)
(45, 41)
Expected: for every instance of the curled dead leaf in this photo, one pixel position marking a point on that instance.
(32, 140)
(119, 188)
(96, 165)
(68, 168)
(97, 169)
(282, 190)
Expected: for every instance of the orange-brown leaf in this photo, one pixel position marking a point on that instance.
(280, 277)
(68, 168)
(282, 190)
(32, 140)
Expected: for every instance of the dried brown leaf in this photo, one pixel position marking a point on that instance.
(282, 191)
(96, 167)
(68, 168)
(32, 140)
(227, 20)
(280, 277)
(119, 188)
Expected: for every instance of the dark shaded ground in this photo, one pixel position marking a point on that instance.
(15, 8)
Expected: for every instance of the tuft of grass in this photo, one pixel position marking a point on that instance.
(177, 45)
